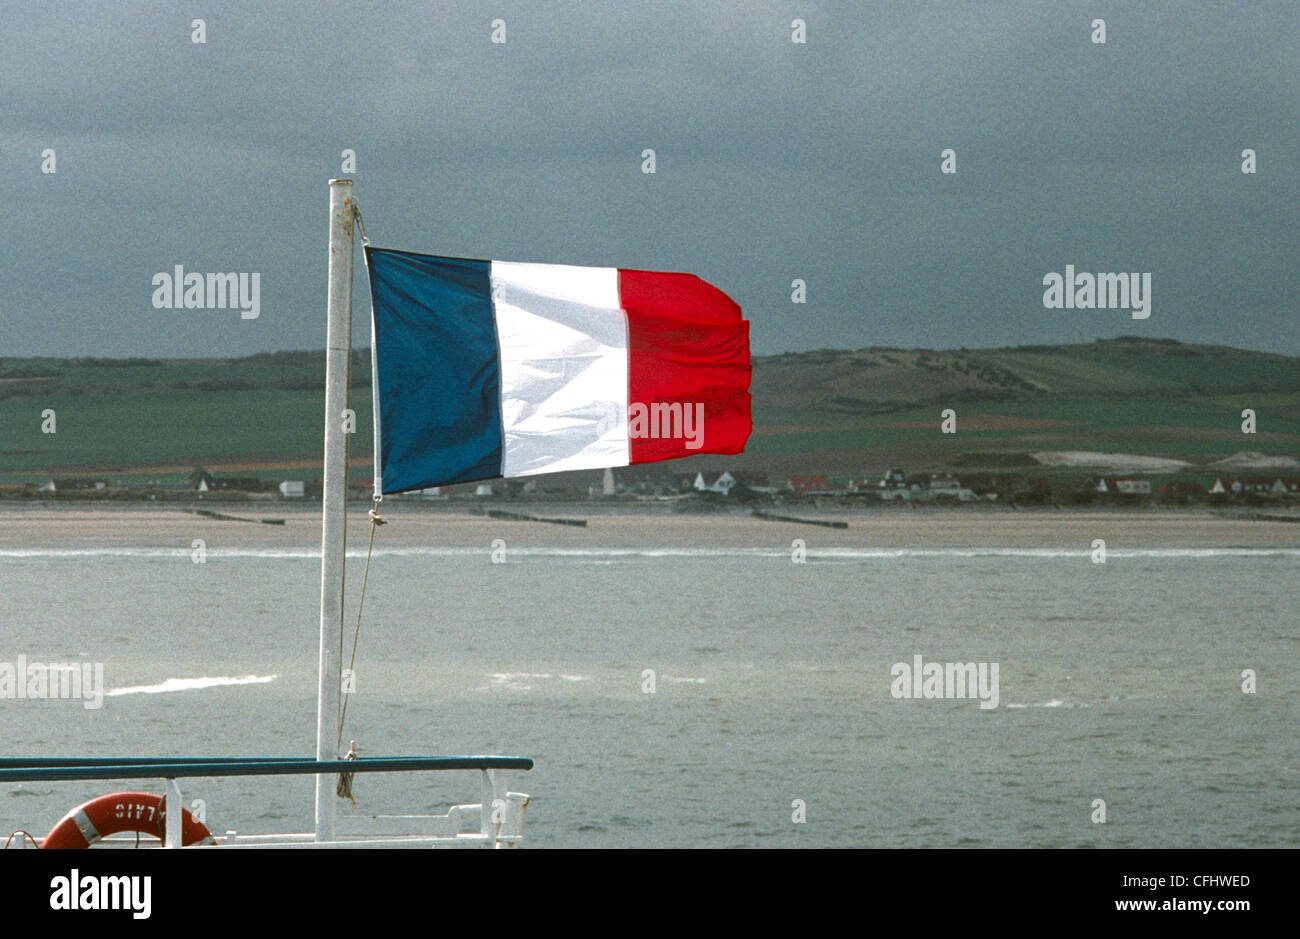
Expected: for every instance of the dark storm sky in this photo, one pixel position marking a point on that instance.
(775, 161)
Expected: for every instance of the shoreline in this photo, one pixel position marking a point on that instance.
(451, 525)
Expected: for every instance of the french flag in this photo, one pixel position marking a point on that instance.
(490, 369)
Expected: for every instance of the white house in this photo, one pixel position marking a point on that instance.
(1120, 486)
(73, 485)
(1133, 487)
(948, 486)
(720, 482)
(894, 479)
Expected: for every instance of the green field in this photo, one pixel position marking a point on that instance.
(835, 412)
(136, 419)
(1189, 427)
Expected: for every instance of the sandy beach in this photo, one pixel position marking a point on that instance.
(72, 527)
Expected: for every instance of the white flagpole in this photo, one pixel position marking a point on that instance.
(334, 494)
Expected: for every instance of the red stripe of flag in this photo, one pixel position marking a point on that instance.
(687, 344)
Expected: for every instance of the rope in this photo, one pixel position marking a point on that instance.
(375, 521)
(343, 581)
(361, 226)
(344, 787)
(342, 710)
(20, 831)
(374, 372)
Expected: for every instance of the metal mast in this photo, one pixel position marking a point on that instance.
(334, 494)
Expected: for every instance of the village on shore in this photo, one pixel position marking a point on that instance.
(739, 487)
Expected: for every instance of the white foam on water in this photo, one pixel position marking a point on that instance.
(1054, 703)
(514, 681)
(522, 681)
(190, 684)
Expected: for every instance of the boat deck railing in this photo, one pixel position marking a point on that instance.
(500, 812)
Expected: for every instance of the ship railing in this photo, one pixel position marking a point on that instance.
(499, 813)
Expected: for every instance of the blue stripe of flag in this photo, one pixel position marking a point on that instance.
(439, 369)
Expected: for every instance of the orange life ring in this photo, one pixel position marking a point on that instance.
(120, 811)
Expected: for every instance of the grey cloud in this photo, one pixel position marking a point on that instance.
(775, 161)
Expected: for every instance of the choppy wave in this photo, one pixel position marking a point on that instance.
(190, 684)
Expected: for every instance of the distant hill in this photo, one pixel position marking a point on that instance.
(834, 412)
(879, 380)
(856, 412)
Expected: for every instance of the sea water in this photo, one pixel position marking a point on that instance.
(698, 697)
